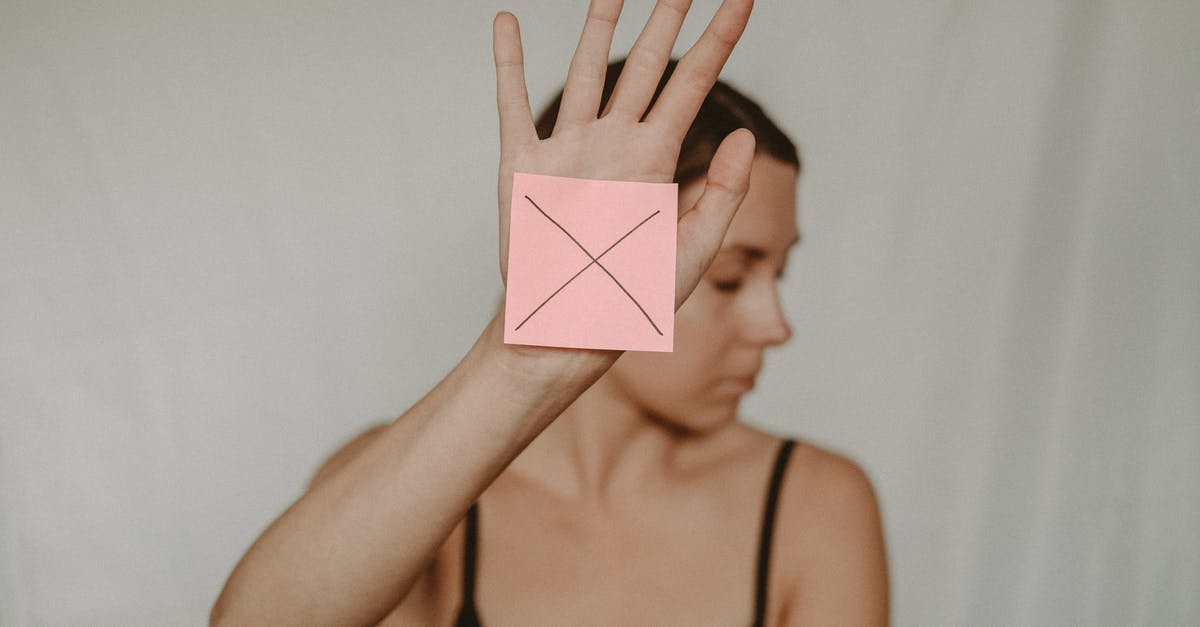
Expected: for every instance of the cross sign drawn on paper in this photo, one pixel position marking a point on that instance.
(628, 301)
(595, 261)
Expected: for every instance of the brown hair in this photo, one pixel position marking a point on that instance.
(723, 111)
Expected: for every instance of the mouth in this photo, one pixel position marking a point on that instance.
(735, 385)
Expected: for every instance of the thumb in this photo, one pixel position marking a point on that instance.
(702, 229)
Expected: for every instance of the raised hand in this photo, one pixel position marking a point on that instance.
(355, 547)
(624, 142)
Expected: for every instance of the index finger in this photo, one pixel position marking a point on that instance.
(699, 68)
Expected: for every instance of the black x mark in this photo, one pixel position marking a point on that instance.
(595, 260)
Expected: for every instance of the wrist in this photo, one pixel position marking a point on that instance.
(541, 366)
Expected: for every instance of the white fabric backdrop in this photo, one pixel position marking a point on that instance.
(234, 234)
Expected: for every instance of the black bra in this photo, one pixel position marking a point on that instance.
(467, 616)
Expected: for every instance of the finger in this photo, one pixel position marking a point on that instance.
(702, 229)
(512, 99)
(699, 68)
(647, 59)
(585, 78)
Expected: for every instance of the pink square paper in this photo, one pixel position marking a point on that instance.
(591, 263)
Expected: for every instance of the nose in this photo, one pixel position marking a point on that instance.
(767, 324)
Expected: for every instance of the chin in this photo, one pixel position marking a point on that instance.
(699, 421)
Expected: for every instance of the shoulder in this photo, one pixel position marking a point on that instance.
(831, 481)
(831, 540)
(815, 474)
(345, 452)
(825, 497)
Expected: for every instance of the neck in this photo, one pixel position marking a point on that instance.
(603, 452)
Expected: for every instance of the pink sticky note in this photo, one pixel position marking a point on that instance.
(591, 263)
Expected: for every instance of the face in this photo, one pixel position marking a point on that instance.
(733, 316)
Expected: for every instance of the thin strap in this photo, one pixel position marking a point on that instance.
(768, 526)
(468, 567)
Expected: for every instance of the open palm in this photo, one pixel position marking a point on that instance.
(625, 142)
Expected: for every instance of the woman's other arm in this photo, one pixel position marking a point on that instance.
(843, 574)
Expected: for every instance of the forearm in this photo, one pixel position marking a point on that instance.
(350, 549)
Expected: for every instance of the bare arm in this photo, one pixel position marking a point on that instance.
(844, 575)
(350, 549)
(346, 453)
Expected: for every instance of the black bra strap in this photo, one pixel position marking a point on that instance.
(768, 526)
(471, 542)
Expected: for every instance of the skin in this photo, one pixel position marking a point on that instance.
(649, 453)
(652, 408)
(375, 538)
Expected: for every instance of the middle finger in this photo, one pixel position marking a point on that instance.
(585, 78)
(647, 59)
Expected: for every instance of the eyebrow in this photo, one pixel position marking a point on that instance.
(754, 253)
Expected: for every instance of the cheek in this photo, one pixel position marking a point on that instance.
(674, 382)
(659, 381)
(703, 323)
(696, 343)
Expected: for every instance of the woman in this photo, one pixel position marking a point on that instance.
(641, 501)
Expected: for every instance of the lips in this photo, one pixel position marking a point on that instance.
(735, 385)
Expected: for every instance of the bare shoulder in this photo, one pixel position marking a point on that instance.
(832, 541)
(349, 449)
(345, 452)
(820, 488)
(402, 428)
(831, 481)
